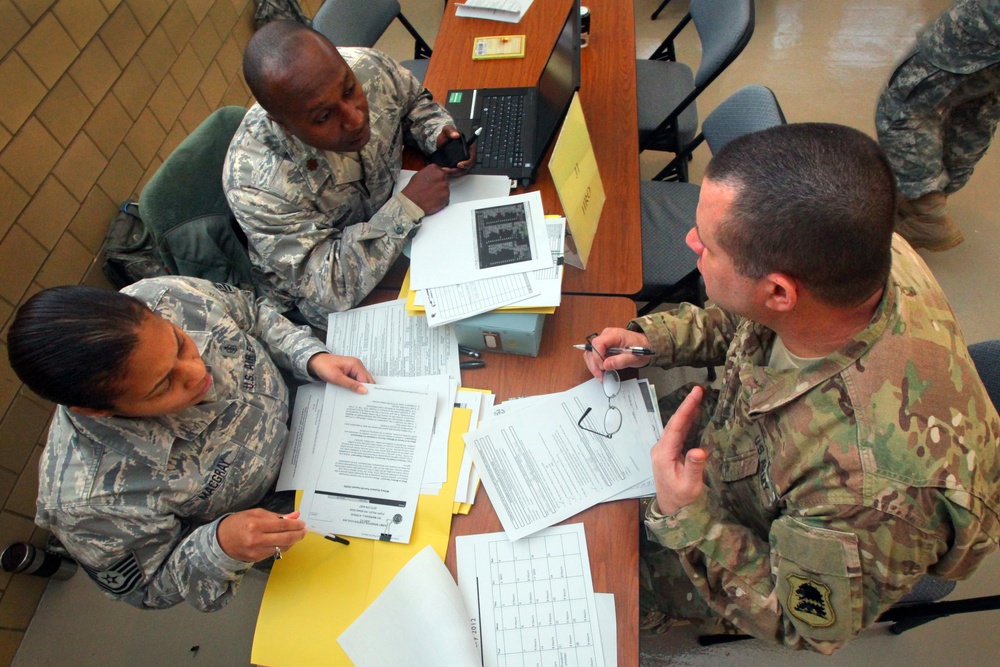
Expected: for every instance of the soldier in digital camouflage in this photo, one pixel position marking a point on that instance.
(311, 170)
(936, 117)
(852, 448)
(169, 432)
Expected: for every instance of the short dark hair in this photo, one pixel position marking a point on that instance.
(71, 344)
(271, 51)
(815, 201)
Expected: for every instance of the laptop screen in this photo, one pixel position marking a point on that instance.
(559, 80)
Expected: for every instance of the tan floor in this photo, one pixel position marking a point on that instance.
(826, 60)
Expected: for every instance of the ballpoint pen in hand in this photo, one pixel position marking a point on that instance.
(475, 135)
(631, 349)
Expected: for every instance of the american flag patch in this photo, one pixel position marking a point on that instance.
(121, 578)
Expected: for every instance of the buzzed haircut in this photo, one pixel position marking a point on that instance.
(815, 201)
(272, 50)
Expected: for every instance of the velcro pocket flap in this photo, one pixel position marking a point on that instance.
(818, 581)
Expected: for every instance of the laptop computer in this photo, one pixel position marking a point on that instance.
(520, 123)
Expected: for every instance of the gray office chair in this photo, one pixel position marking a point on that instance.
(354, 23)
(922, 604)
(669, 266)
(667, 89)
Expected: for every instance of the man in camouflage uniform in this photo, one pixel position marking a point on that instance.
(157, 508)
(311, 170)
(852, 448)
(937, 115)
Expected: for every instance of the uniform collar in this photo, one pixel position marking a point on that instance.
(148, 440)
(772, 389)
(316, 166)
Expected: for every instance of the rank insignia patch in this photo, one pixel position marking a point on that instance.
(809, 601)
(122, 577)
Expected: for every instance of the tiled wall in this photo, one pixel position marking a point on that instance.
(94, 94)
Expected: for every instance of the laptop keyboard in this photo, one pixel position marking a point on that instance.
(500, 147)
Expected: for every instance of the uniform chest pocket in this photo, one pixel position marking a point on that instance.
(739, 465)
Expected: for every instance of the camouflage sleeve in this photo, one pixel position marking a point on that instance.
(288, 345)
(425, 118)
(150, 560)
(688, 335)
(323, 269)
(815, 584)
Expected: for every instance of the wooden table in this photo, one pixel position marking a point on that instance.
(612, 528)
(607, 91)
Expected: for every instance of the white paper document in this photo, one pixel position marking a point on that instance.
(607, 618)
(540, 467)
(371, 469)
(508, 11)
(303, 449)
(531, 602)
(480, 239)
(444, 305)
(468, 187)
(443, 388)
(389, 342)
(535, 289)
(470, 400)
(419, 620)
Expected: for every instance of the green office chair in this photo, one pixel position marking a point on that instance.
(185, 208)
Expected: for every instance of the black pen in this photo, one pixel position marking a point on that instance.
(468, 365)
(463, 349)
(336, 538)
(475, 135)
(631, 349)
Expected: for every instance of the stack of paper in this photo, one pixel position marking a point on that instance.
(542, 461)
(362, 459)
(508, 11)
(480, 402)
(478, 256)
(528, 602)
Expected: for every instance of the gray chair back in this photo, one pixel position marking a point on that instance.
(986, 357)
(749, 109)
(353, 22)
(725, 28)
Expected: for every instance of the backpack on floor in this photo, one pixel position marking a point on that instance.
(129, 252)
(269, 10)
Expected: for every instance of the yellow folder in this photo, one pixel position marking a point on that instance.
(320, 587)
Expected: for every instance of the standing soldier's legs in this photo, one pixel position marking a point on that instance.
(909, 120)
(969, 128)
(909, 125)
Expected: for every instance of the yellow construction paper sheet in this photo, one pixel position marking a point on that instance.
(578, 182)
(320, 587)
